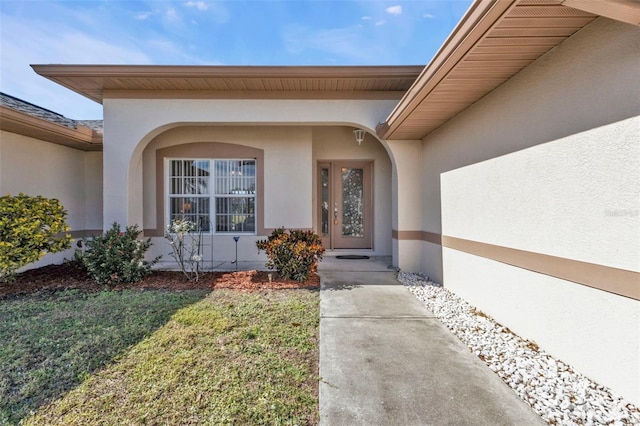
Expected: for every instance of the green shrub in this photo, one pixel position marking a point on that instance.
(294, 254)
(30, 227)
(117, 257)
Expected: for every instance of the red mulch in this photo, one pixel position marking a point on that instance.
(70, 276)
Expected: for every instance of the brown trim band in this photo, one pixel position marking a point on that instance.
(429, 237)
(613, 280)
(81, 233)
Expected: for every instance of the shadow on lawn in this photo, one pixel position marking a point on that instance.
(51, 342)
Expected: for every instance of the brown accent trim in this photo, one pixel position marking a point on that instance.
(82, 233)
(429, 237)
(613, 280)
(261, 95)
(618, 281)
(206, 150)
(82, 138)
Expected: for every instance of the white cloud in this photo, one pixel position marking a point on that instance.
(349, 43)
(380, 23)
(172, 14)
(366, 18)
(428, 16)
(34, 42)
(200, 5)
(394, 10)
(142, 16)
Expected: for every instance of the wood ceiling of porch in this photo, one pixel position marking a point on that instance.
(258, 82)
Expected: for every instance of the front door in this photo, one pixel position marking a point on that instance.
(345, 215)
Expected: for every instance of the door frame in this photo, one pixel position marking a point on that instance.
(329, 240)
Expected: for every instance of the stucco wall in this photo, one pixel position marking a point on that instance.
(74, 177)
(130, 124)
(290, 157)
(338, 143)
(549, 163)
(407, 155)
(282, 125)
(287, 177)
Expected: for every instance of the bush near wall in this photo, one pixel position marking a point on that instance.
(294, 254)
(117, 256)
(30, 227)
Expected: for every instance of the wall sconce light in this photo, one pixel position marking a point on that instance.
(359, 135)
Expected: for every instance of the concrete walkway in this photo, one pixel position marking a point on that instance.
(386, 360)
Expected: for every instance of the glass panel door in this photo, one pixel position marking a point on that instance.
(345, 214)
(352, 202)
(324, 203)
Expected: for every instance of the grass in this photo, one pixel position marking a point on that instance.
(228, 358)
(50, 342)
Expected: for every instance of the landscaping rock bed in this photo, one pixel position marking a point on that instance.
(549, 386)
(70, 276)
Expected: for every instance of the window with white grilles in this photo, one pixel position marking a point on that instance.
(217, 194)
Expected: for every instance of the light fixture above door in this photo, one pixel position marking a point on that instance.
(359, 135)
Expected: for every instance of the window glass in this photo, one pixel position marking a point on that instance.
(229, 208)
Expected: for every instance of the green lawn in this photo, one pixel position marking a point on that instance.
(160, 357)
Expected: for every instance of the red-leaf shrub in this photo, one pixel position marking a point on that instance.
(293, 253)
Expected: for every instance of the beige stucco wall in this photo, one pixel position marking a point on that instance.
(281, 127)
(406, 192)
(93, 190)
(74, 177)
(287, 177)
(549, 163)
(130, 124)
(290, 158)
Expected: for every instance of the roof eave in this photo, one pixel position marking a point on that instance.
(96, 88)
(481, 19)
(480, 16)
(82, 138)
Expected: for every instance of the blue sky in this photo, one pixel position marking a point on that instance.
(259, 32)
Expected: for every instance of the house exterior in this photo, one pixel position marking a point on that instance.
(508, 169)
(44, 153)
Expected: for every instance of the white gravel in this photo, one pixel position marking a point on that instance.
(549, 386)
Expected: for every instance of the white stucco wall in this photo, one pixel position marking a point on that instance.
(549, 163)
(36, 167)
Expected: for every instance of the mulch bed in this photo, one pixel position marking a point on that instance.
(69, 276)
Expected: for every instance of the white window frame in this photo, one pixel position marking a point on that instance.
(212, 196)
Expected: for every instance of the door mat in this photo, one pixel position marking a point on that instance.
(352, 257)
